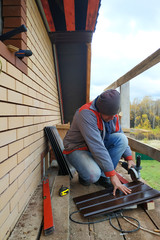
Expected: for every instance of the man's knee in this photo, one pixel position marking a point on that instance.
(123, 139)
(94, 175)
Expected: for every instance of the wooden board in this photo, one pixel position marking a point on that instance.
(150, 61)
(145, 222)
(143, 148)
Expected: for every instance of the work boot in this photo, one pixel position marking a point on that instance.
(83, 182)
(105, 182)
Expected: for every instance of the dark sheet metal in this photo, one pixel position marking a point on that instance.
(57, 146)
(104, 202)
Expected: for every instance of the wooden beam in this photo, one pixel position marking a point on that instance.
(149, 62)
(92, 12)
(140, 147)
(69, 11)
(48, 14)
(71, 37)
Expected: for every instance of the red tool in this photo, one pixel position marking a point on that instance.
(47, 209)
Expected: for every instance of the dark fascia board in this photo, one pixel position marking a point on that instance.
(71, 37)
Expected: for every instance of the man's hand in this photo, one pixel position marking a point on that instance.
(117, 185)
(130, 164)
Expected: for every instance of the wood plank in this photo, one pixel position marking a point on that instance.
(92, 12)
(69, 11)
(102, 230)
(143, 148)
(145, 222)
(149, 62)
(155, 214)
(60, 207)
(48, 15)
(77, 231)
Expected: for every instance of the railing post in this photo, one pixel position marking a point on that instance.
(125, 105)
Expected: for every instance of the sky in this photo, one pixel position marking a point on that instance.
(127, 32)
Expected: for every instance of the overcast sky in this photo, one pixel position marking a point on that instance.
(127, 32)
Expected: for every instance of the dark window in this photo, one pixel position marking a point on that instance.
(0, 17)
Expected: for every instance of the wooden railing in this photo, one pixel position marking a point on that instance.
(149, 62)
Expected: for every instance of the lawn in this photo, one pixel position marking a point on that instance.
(151, 173)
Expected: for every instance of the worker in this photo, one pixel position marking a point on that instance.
(95, 142)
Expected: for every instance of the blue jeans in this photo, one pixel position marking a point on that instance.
(85, 164)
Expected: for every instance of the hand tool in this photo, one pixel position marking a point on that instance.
(47, 208)
(23, 53)
(63, 191)
(13, 32)
(134, 171)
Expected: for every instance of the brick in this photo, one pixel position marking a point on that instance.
(3, 153)
(16, 198)
(14, 97)
(22, 132)
(33, 111)
(7, 109)
(13, 22)
(3, 123)
(4, 183)
(27, 100)
(7, 137)
(15, 122)
(30, 139)
(22, 110)
(4, 214)
(8, 225)
(14, 173)
(3, 94)
(20, 64)
(23, 154)
(9, 11)
(7, 81)
(13, 71)
(20, 87)
(4, 63)
(17, 43)
(7, 195)
(28, 121)
(7, 165)
(22, 178)
(20, 36)
(24, 200)
(11, 2)
(15, 147)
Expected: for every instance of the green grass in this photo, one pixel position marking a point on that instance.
(151, 173)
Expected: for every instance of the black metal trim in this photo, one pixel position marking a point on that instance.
(62, 163)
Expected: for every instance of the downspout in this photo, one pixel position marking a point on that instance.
(58, 82)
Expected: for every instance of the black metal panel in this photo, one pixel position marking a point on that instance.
(72, 62)
(57, 11)
(56, 145)
(80, 14)
(104, 202)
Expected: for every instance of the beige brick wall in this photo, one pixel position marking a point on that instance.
(28, 103)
